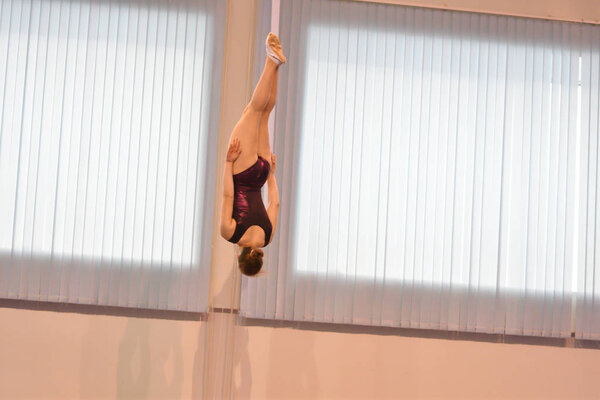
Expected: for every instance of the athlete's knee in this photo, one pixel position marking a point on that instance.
(270, 105)
(259, 102)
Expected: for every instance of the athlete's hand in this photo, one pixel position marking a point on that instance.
(273, 163)
(234, 150)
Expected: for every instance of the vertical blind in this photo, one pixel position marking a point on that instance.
(438, 170)
(107, 112)
(588, 278)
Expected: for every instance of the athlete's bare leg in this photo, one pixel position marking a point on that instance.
(252, 128)
(264, 145)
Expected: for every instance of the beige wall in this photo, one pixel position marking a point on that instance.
(281, 363)
(48, 355)
(58, 355)
(566, 10)
(53, 355)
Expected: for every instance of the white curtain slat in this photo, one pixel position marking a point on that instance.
(331, 141)
(106, 110)
(594, 315)
(562, 281)
(452, 101)
(573, 176)
(588, 157)
(552, 124)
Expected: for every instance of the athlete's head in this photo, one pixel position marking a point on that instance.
(250, 261)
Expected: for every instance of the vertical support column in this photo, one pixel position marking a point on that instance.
(238, 63)
(225, 279)
(275, 5)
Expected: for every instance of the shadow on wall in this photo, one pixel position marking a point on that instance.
(222, 363)
(283, 352)
(97, 363)
(134, 360)
(142, 371)
(242, 371)
(198, 368)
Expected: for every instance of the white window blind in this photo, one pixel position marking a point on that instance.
(438, 171)
(107, 112)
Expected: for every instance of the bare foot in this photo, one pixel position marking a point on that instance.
(274, 49)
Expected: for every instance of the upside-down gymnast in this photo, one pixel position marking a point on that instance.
(249, 164)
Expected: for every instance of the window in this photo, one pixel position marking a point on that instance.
(106, 111)
(440, 168)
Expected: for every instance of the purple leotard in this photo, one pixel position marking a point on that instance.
(248, 206)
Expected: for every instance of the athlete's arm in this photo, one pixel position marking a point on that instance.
(273, 197)
(227, 222)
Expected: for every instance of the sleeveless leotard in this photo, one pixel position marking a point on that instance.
(248, 206)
